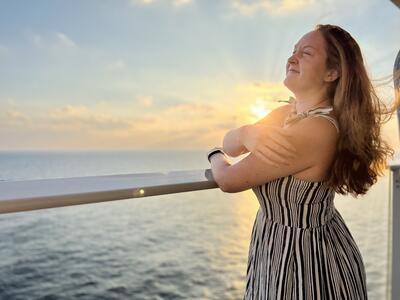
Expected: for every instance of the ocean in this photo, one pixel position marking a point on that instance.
(191, 245)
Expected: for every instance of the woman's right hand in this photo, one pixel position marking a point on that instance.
(269, 143)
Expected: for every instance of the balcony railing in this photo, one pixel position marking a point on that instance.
(395, 228)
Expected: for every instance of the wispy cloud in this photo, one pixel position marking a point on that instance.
(145, 101)
(81, 117)
(175, 3)
(11, 115)
(189, 109)
(279, 7)
(181, 2)
(143, 2)
(14, 117)
(64, 41)
(55, 41)
(184, 125)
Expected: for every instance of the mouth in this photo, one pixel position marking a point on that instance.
(293, 70)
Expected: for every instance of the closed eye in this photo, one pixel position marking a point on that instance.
(303, 52)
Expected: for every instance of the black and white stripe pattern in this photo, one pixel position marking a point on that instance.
(300, 246)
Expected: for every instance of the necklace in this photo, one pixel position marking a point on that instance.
(294, 116)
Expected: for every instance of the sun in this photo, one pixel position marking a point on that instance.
(259, 109)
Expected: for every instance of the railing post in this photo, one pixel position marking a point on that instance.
(395, 198)
(395, 207)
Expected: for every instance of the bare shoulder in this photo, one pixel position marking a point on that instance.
(319, 127)
(276, 116)
(316, 138)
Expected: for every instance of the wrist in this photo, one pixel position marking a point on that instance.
(213, 152)
(214, 155)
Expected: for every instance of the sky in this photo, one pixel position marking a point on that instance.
(164, 74)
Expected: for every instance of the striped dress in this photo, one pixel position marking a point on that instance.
(300, 246)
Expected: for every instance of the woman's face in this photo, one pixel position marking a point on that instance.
(306, 72)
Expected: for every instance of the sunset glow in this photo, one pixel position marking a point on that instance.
(258, 109)
(161, 73)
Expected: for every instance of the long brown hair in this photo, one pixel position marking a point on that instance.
(361, 153)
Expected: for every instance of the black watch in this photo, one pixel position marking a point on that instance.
(213, 151)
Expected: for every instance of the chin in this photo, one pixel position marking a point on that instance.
(287, 82)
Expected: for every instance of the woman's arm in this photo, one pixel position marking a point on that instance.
(313, 138)
(233, 141)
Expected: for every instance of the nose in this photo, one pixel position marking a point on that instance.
(292, 60)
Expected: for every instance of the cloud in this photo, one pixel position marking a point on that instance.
(181, 2)
(64, 41)
(146, 101)
(10, 113)
(56, 41)
(147, 121)
(143, 2)
(189, 109)
(175, 3)
(271, 7)
(15, 118)
(184, 125)
(13, 114)
(81, 117)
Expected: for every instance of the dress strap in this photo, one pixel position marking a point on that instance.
(316, 112)
(333, 121)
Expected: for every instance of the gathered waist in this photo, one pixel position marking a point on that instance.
(300, 215)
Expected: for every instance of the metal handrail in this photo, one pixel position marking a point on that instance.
(25, 195)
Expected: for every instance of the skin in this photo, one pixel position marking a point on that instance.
(314, 138)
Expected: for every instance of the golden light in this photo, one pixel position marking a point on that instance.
(259, 109)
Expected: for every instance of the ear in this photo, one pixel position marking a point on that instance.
(331, 75)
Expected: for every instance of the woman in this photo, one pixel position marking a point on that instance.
(326, 140)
